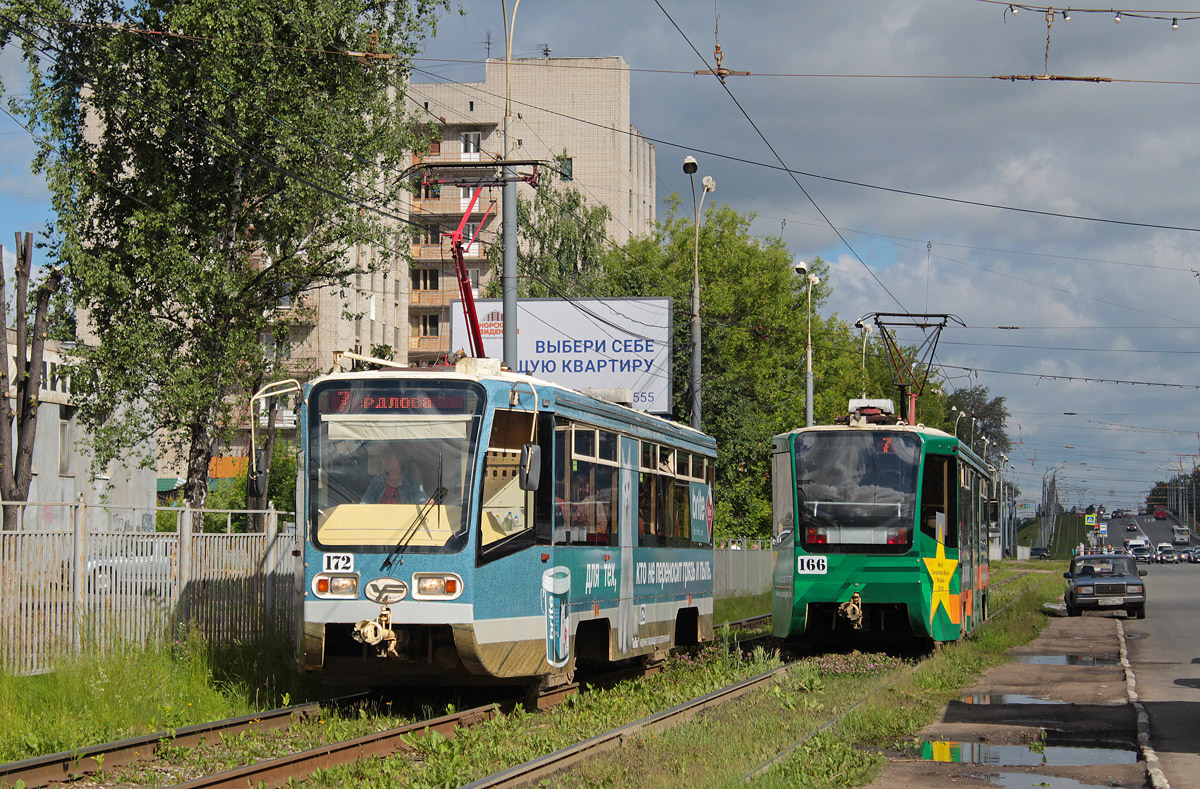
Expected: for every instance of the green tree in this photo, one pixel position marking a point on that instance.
(990, 419)
(201, 176)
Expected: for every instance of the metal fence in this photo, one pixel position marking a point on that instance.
(75, 577)
(742, 567)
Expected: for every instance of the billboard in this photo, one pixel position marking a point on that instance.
(584, 343)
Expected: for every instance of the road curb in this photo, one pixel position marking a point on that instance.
(1158, 778)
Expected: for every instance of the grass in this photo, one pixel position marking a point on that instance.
(133, 690)
(732, 609)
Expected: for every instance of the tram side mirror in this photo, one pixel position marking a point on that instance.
(258, 475)
(530, 475)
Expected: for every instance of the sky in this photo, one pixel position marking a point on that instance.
(1067, 209)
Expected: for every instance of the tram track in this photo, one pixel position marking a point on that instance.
(69, 765)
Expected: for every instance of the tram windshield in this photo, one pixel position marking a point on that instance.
(856, 490)
(389, 464)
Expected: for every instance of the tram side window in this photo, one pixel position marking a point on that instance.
(506, 510)
(585, 490)
(938, 498)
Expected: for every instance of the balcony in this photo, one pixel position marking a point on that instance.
(432, 298)
(429, 344)
(454, 157)
(474, 251)
(453, 206)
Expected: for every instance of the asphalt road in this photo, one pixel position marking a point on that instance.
(1164, 650)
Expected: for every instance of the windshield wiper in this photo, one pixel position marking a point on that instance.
(438, 496)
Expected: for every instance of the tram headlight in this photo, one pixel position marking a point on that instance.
(343, 586)
(436, 586)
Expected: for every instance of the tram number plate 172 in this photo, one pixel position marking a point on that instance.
(811, 565)
(339, 562)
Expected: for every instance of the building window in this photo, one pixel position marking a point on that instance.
(435, 146)
(473, 273)
(429, 234)
(470, 106)
(429, 190)
(64, 447)
(425, 279)
(470, 229)
(566, 168)
(429, 326)
(470, 142)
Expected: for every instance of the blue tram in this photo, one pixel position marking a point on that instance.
(475, 526)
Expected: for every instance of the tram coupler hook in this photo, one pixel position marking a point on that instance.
(378, 633)
(852, 611)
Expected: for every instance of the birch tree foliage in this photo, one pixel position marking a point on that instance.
(206, 160)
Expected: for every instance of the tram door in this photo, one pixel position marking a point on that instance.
(627, 519)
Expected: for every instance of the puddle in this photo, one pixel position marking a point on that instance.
(1134, 636)
(1066, 660)
(1006, 698)
(1023, 755)
(1028, 781)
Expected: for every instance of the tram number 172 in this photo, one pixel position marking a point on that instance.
(811, 565)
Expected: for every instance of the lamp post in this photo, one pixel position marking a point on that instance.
(972, 434)
(707, 185)
(961, 414)
(809, 280)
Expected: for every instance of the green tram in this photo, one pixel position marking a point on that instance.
(881, 531)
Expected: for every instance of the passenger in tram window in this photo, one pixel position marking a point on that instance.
(400, 483)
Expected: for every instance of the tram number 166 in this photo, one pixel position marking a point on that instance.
(811, 565)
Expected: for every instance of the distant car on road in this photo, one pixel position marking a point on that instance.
(1100, 582)
(1141, 553)
(1165, 553)
(1131, 527)
(1186, 555)
(1039, 553)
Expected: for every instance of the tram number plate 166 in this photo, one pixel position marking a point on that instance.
(339, 562)
(811, 565)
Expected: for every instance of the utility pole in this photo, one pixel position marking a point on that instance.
(508, 277)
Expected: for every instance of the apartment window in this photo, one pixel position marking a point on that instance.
(429, 234)
(429, 325)
(431, 190)
(470, 106)
(566, 169)
(473, 273)
(435, 146)
(64, 446)
(470, 142)
(469, 231)
(425, 279)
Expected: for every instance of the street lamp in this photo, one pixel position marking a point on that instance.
(961, 414)
(810, 280)
(708, 185)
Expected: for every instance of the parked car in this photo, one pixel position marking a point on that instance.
(1039, 553)
(1141, 553)
(138, 565)
(1101, 582)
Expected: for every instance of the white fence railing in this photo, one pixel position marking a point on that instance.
(76, 577)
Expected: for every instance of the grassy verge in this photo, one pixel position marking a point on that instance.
(137, 689)
(731, 609)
